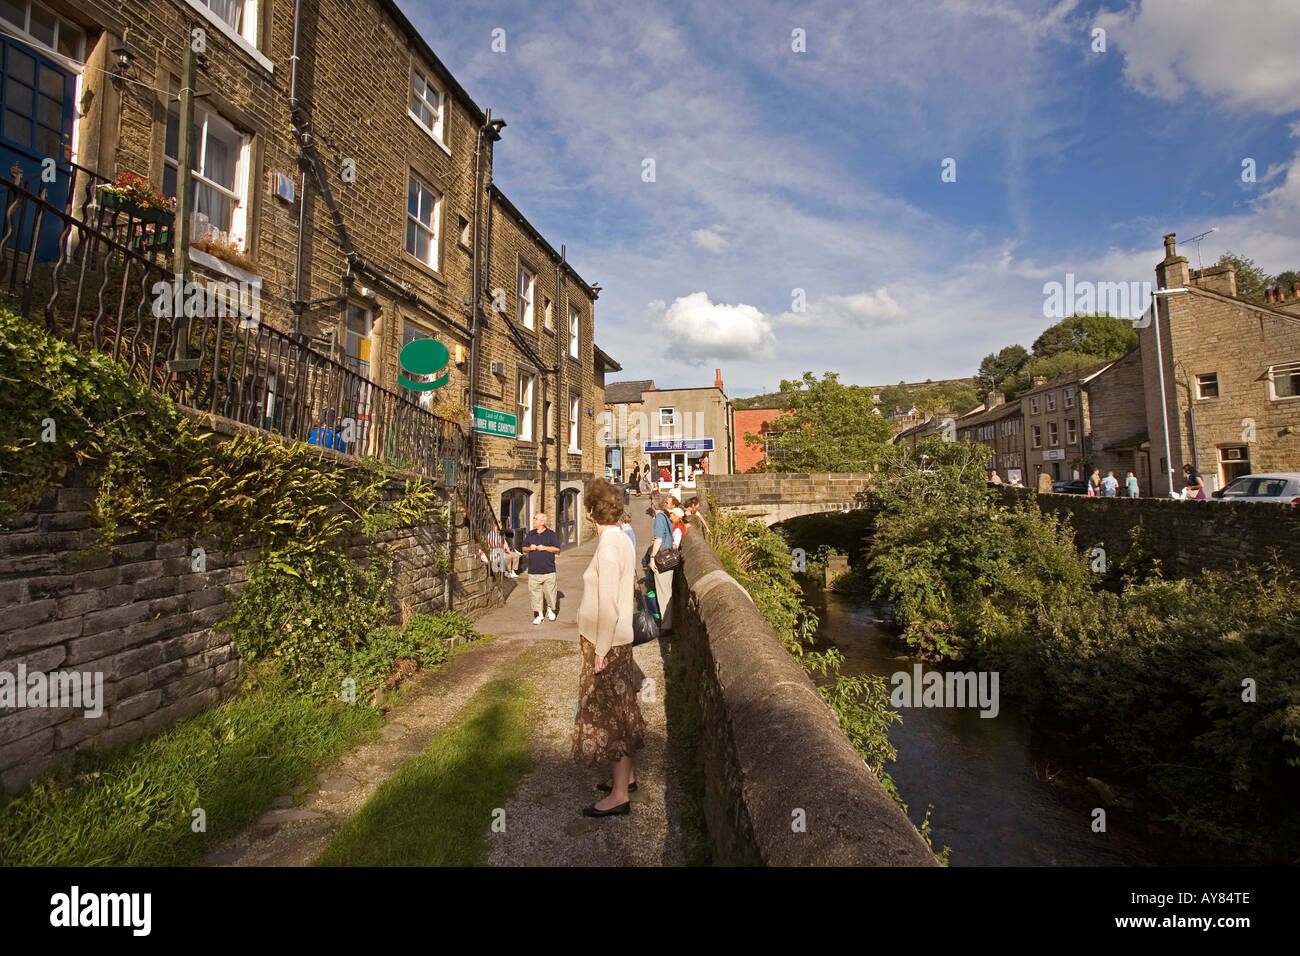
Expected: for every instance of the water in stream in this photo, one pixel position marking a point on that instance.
(994, 803)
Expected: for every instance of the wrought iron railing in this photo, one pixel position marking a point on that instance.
(105, 283)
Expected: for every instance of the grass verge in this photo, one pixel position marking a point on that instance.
(135, 806)
(437, 809)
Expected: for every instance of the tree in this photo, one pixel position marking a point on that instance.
(1286, 280)
(1098, 334)
(895, 396)
(1000, 365)
(1251, 280)
(828, 427)
(1049, 367)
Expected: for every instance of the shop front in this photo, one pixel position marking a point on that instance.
(675, 463)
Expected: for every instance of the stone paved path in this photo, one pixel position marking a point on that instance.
(544, 825)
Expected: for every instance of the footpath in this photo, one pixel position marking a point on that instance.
(544, 825)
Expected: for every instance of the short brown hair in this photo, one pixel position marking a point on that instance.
(604, 501)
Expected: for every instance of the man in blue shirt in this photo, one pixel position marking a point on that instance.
(541, 545)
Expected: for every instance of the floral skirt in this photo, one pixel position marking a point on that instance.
(608, 725)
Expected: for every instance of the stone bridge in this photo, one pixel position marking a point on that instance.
(774, 497)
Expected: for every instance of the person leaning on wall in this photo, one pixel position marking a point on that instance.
(607, 723)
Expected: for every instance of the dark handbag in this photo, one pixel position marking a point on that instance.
(644, 626)
(667, 559)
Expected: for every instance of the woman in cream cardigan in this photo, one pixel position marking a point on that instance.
(607, 725)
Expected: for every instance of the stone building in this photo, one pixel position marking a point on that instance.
(676, 429)
(1001, 427)
(1222, 380)
(1057, 432)
(359, 158)
(1114, 422)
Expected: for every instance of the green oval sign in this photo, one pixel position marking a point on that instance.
(423, 357)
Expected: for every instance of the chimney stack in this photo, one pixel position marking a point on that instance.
(717, 379)
(1173, 272)
(1040, 380)
(1295, 290)
(1281, 294)
(1268, 295)
(994, 399)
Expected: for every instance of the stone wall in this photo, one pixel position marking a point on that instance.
(770, 749)
(141, 615)
(1187, 536)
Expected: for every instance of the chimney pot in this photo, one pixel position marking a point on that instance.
(1268, 295)
(717, 379)
(1281, 294)
(1295, 289)
(1169, 246)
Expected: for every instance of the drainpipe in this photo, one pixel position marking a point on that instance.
(561, 296)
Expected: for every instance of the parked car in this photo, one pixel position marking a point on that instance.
(1281, 487)
(1076, 487)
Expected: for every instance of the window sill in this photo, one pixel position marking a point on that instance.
(428, 132)
(430, 271)
(226, 31)
(1284, 398)
(213, 264)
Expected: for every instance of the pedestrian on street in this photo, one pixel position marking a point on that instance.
(1195, 483)
(679, 526)
(1131, 483)
(608, 726)
(1094, 484)
(503, 557)
(626, 527)
(1110, 484)
(541, 545)
(693, 511)
(646, 486)
(663, 538)
(634, 481)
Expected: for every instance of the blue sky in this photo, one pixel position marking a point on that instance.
(778, 170)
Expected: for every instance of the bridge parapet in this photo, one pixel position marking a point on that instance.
(783, 786)
(776, 496)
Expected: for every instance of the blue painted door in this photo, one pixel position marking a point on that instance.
(36, 114)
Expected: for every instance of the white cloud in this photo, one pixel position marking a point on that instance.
(1245, 57)
(859, 310)
(698, 331)
(711, 239)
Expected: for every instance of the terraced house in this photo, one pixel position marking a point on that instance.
(338, 169)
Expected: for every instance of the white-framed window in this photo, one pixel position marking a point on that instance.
(575, 318)
(1284, 381)
(1053, 434)
(1037, 436)
(1051, 401)
(219, 165)
(1069, 397)
(1033, 406)
(237, 19)
(45, 28)
(428, 103)
(1234, 461)
(360, 320)
(574, 402)
(423, 211)
(1071, 431)
(524, 405)
(527, 288)
(1207, 385)
(667, 418)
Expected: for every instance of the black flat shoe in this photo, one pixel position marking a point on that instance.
(622, 810)
(606, 788)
